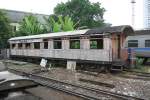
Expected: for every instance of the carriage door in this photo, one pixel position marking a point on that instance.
(115, 47)
(118, 37)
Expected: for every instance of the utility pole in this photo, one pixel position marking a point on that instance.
(133, 12)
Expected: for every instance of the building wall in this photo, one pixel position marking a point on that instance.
(4, 53)
(146, 13)
(15, 26)
(16, 17)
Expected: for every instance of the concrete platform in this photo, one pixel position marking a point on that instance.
(10, 81)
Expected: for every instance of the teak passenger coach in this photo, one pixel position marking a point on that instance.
(103, 46)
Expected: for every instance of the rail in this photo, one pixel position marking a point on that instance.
(53, 83)
(139, 75)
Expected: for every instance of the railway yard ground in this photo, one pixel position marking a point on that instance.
(130, 84)
(38, 93)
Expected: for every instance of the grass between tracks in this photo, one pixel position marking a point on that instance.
(142, 68)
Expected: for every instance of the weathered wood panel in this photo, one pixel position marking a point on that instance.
(95, 55)
(84, 53)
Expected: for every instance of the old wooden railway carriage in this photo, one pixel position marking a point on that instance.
(102, 46)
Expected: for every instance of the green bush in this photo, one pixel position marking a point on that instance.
(139, 62)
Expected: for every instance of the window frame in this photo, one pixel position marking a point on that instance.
(29, 44)
(147, 43)
(34, 44)
(45, 43)
(59, 40)
(97, 38)
(13, 45)
(133, 41)
(73, 40)
(20, 47)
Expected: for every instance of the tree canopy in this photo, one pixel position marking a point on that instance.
(5, 30)
(58, 23)
(30, 26)
(87, 13)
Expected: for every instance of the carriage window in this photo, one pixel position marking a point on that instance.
(45, 45)
(27, 45)
(132, 43)
(74, 44)
(37, 45)
(147, 43)
(96, 44)
(44, 40)
(19, 45)
(13, 46)
(57, 43)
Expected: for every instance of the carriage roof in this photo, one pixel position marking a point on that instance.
(115, 29)
(142, 32)
(57, 34)
(126, 29)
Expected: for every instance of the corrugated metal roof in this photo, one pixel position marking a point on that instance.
(48, 35)
(17, 16)
(114, 29)
(142, 32)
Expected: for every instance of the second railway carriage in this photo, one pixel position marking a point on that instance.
(102, 45)
(139, 43)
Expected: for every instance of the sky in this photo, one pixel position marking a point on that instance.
(118, 12)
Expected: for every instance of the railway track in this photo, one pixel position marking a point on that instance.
(97, 83)
(139, 75)
(88, 73)
(77, 90)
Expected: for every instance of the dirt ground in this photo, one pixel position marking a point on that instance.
(50, 94)
(133, 87)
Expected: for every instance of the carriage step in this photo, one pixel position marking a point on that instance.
(117, 67)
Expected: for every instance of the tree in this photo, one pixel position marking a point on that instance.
(87, 13)
(66, 23)
(5, 30)
(58, 23)
(30, 26)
